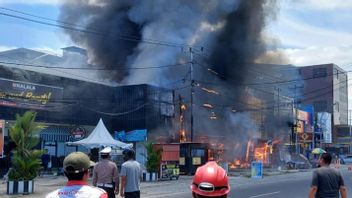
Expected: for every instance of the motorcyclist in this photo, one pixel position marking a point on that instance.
(210, 180)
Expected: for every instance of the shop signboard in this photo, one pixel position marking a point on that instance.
(78, 132)
(139, 135)
(29, 95)
(305, 137)
(169, 170)
(2, 140)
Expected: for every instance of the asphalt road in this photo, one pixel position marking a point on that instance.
(289, 185)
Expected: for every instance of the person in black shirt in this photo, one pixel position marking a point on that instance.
(327, 182)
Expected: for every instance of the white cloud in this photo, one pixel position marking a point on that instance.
(50, 2)
(326, 4)
(293, 32)
(339, 55)
(56, 52)
(5, 48)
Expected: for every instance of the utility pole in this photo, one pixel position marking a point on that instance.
(349, 123)
(182, 133)
(297, 143)
(278, 103)
(192, 91)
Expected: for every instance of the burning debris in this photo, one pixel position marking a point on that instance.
(210, 91)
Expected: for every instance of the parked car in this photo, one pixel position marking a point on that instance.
(298, 161)
(346, 159)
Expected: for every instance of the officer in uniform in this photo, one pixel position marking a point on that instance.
(105, 174)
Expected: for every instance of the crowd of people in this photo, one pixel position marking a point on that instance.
(106, 177)
(210, 180)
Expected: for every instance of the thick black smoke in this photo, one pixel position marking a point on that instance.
(111, 37)
(240, 42)
(231, 30)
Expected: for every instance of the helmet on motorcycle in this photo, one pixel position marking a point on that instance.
(210, 180)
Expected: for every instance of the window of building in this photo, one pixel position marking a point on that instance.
(337, 106)
(320, 106)
(319, 72)
(299, 71)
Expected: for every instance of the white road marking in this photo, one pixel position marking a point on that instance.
(266, 194)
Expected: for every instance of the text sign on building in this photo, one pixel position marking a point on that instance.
(28, 95)
(306, 137)
(78, 132)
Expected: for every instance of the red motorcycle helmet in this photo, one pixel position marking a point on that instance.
(210, 180)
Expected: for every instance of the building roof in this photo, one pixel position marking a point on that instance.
(75, 49)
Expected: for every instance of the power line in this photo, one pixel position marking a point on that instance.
(68, 26)
(98, 69)
(284, 81)
(262, 73)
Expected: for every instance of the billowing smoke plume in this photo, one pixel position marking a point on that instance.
(225, 35)
(240, 41)
(108, 33)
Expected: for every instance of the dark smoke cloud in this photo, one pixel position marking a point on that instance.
(240, 41)
(111, 22)
(231, 30)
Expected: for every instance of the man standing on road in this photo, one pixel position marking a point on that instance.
(327, 182)
(131, 174)
(105, 174)
(76, 167)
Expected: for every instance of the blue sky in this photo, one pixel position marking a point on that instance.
(315, 31)
(306, 31)
(17, 33)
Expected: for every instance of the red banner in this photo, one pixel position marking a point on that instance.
(2, 141)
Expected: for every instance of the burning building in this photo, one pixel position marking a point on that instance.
(212, 44)
(65, 104)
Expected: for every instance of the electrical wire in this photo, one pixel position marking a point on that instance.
(87, 68)
(68, 26)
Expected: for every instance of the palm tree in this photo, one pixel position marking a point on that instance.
(26, 161)
(153, 158)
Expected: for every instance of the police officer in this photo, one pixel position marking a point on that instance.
(105, 174)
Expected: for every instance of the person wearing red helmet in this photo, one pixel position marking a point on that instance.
(210, 180)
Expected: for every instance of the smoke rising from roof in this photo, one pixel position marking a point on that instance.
(229, 29)
(231, 32)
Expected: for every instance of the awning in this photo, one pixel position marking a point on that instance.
(59, 134)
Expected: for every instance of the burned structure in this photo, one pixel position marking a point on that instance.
(64, 104)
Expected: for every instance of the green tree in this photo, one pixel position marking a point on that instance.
(26, 161)
(153, 158)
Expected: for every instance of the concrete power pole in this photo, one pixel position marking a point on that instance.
(349, 123)
(192, 91)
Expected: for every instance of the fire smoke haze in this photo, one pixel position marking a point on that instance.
(231, 33)
(230, 30)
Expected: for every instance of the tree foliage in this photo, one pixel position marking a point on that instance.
(26, 161)
(153, 158)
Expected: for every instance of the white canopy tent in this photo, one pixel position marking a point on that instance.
(100, 137)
